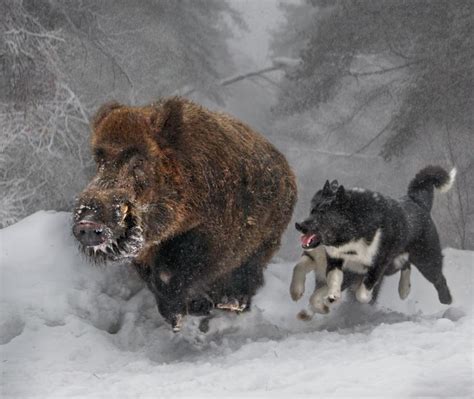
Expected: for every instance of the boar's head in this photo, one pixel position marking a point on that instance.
(135, 197)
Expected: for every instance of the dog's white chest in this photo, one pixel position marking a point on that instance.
(359, 251)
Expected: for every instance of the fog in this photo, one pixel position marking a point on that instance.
(368, 94)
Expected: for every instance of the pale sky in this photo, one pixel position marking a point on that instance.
(261, 16)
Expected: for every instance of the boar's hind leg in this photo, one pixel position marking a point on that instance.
(242, 284)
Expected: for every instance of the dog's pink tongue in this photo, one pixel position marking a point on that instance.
(307, 239)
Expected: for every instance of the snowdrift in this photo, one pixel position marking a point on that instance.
(70, 329)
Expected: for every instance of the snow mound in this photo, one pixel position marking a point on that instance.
(70, 329)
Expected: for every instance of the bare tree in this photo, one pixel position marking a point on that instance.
(42, 119)
(60, 60)
(459, 204)
(421, 51)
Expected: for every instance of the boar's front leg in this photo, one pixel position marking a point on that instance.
(157, 278)
(174, 271)
(172, 309)
(174, 300)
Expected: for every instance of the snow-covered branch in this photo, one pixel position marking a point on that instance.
(279, 64)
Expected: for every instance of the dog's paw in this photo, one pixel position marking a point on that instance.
(333, 295)
(332, 298)
(317, 302)
(304, 315)
(363, 295)
(296, 291)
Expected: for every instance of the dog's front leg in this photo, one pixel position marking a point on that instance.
(317, 303)
(334, 278)
(371, 279)
(317, 300)
(302, 268)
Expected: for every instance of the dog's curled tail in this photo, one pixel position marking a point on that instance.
(421, 188)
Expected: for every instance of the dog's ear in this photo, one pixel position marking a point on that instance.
(341, 195)
(334, 185)
(327, 189)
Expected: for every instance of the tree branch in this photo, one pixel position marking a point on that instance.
(384, 70)
(231, 80)
(379, 134)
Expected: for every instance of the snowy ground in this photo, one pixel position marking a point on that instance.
(68, 329)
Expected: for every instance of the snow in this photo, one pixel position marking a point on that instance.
(71, 329)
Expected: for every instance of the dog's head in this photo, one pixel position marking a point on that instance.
(328, 222)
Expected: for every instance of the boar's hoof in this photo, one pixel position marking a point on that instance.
(233, 304)
(176, 323)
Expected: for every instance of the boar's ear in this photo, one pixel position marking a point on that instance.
(103, 111)
(167, 122)
(327, 189)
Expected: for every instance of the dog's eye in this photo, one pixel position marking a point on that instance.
(324, 207)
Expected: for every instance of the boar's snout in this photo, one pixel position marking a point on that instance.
(106, 226)
(88, 233)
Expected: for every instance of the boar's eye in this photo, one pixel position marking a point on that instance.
(136, 163)
(99, 155)
(128, 154)
(137, 169)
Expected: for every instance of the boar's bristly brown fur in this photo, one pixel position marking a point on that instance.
(195, 199)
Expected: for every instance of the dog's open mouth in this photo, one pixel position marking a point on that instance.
(310, 240)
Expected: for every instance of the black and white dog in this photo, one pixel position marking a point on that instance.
(370, 235)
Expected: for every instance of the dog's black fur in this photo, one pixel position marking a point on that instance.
(378, 231)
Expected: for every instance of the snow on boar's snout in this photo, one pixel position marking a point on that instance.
(105, 225)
